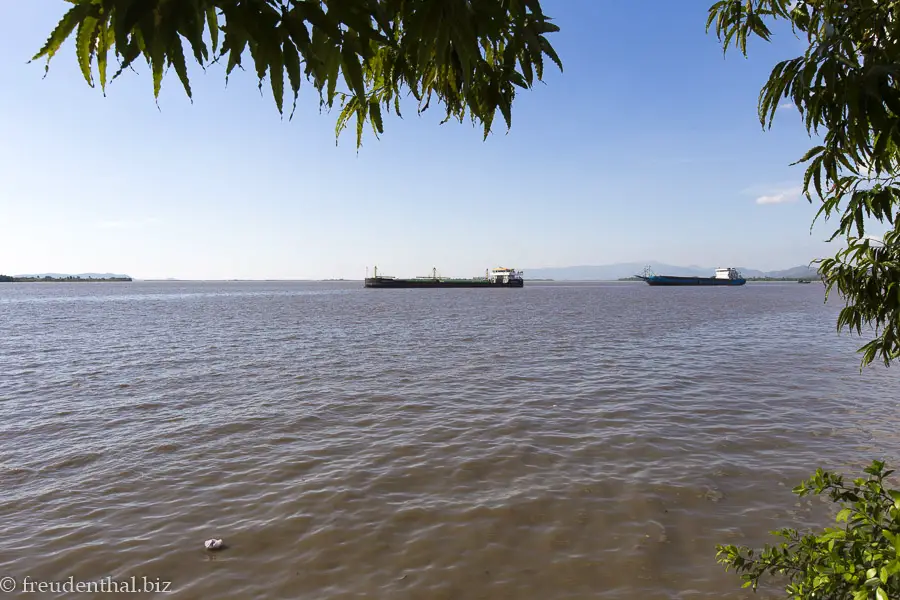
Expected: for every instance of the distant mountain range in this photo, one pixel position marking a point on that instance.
(81, 275)
(620, 270)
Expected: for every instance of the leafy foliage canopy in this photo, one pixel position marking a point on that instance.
(469, 55)
(859, 560)
(845, 85)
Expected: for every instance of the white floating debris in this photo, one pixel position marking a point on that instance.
(214, 544)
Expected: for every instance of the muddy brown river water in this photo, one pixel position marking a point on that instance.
(591, 440)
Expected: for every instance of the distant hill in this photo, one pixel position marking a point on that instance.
(801, 272)
(619, 270)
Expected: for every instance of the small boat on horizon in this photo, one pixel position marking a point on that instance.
(723, 276)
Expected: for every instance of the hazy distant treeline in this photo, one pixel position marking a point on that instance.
(10, 279)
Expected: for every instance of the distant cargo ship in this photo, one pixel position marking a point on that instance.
(723, 276)
(500, 277)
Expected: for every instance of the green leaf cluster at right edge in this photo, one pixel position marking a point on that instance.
(846, 87)
(857, 559)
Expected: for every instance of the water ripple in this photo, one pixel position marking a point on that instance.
(560, 441)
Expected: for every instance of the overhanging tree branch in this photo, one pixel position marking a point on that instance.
(469, 55)
(846, 85)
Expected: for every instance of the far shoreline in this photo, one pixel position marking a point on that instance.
(47, 279)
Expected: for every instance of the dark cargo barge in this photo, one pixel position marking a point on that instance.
(496, 278)
(725, 276)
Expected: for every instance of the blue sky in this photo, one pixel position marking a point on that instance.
(646, 148)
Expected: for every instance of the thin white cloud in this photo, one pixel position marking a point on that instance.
(783, 196)
(787, 105)
(128, 223)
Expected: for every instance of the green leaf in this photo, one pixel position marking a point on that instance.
(519, 80)
(843, 515)
(276, 75)
(549, 51)
(260, 61)
(85, 45)
(353, 72)
(62, 31)
(176, 55)
(360, 122)
(809, 154)
(193, 31)
(881, 594)
(332, 67)
(105, 40)
(894, 567)
(157, 64)
(375, 116)
(348, 110)
(234, 43)
(212, 20)
(292, 65)
(506, 110)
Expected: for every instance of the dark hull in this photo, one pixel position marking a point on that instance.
(384, 282)
(671, 280)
